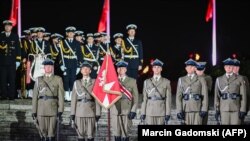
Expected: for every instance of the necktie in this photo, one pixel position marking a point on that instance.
(120, 79)
(156, 79)
(85, 82)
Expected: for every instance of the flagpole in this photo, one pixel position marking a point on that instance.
(108, 35)
(214, 48)
(19, 19)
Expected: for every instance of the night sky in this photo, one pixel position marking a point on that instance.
(169, 29)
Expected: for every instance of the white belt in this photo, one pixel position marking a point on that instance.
(88, 59)
(131, 56)
(69, 57)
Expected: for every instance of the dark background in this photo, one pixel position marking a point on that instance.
(169, 29)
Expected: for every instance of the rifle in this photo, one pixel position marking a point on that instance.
(58, 128)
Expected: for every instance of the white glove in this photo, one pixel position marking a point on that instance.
(17, 64)
(63, 68)
(77, 70)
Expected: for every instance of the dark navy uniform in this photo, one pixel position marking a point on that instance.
(116, 50)
(133, 53)
(10, 56)
(70, 64)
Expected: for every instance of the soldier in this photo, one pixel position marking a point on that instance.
(191, 96)
(236, 69)
(91, 54)
(71, 58)
(117, 50)
(230, 96)
(133, 52)
(200, 71)
(102, 45)
(10, 56)
(79, 36)
(156, 95)
(85, 111)
(124, 110)
(48, 102)
(39, 45)
(46, 36)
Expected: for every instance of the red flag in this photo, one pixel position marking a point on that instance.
(107, 89)
(209, 13)
(14, 12)
(103, 21)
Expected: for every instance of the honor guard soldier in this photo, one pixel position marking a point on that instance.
(236, 69)
(133, 52)
(10, 56)
(124, 110)
(191, 96)
(91, 54)
(200, 71)
(55, 51)
(48, 102)
(102, 45)
(156, 105)
(33, 33)
(117, 50)
(79, 36)
(85, 111)
(71, 54)
(230, 96)
(39, 45)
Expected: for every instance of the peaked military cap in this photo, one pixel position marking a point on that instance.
(79, 33)
(121, 64)
(56, 35)
(70, 29)
(40, 29)
(7, 22)
(85, 64)
(47, 34)
(26, 32)
(118, 35)
(33, 29)
(48, 61)
(90, 35)
(191, 62)
(157, 62)
(131, 26)
(97, 34)
(228, 61)
(103, 34)
(201, 65)
(236, 62)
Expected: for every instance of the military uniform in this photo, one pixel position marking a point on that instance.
(133, 53)
(84, 108)
(191, 97)
(201, 67)
(124, 110)
(48, 103)
(156, 105)
(72, 57)
(116, 50)
(10, 56)
(230, 97)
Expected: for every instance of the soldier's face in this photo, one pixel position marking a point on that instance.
(199, 72)
(48, 69)
(236, 69)
(70, 34)
(131, 32)
(228, 68)
(190, 69)
(79, 38)
(157, 70)
(118, 41)
(85, 71)
(121, 70)
(40, 34)
(90, 40)
(8, 28)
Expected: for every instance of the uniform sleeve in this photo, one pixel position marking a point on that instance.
(204, 92)
(216, 95)
(73, 100)
(145, 99)
(168, 98)
(79, 53)
(18, 49)
(135, 99)
(243, 103)
(61, 96)
(35, 98)
(141, 53)
(179, 91)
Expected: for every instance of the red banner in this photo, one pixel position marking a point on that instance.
(103, 21)
(14, 12)
(209, 13)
